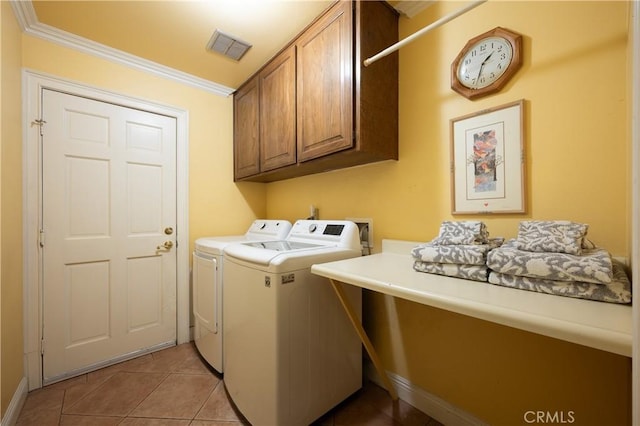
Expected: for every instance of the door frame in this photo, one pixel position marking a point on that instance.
(33, 83)
(634, 73)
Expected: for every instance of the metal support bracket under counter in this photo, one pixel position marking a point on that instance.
(600, 325)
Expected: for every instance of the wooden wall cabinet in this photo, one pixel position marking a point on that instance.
(278, 112)
(264, 118)
(246, 130)
(315, 107)
(325, 85)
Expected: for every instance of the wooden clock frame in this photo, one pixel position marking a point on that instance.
(514, 39)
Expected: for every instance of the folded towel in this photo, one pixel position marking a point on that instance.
(617, 291)
(593, 265)
(462, 232)
(556, 236)
(468, 272)
(470, 254)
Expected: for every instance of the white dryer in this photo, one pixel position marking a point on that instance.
(291, 353)
(208, 284)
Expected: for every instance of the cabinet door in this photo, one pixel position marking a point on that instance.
(278, 112)
(246, 130)
(324, 85)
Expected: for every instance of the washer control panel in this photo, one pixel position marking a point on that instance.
(329, 232)
(328, 229)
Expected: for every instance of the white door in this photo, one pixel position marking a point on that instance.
(109, 205)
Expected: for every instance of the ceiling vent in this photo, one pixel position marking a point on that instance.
(227, 45)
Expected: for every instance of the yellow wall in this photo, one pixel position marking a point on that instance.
(574, 81)
(11, 364)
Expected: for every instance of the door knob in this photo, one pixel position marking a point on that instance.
(168, 230)
(166, 245)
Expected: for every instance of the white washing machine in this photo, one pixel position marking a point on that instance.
(291, 353)
(208, 285)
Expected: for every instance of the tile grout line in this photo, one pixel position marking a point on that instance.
(86, 382)
(206, 399)
(149, 394)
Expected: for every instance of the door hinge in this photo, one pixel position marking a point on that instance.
(42, 347)
(40, 123)
(41, 238)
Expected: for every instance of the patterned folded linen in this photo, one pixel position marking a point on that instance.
(468, 272)
(593, 265)
(462, 232)
(617, 291)
(556, 236)
(469, 254)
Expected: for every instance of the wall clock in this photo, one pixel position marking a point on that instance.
(486, 63)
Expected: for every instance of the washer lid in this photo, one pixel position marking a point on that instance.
(260, 229)
(281, 245)
(263, 252)
(215, 245)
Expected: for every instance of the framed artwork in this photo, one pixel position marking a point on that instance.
(487, 161)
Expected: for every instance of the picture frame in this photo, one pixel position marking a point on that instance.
(488, 161)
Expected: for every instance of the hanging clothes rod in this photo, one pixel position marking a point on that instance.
(422, 32)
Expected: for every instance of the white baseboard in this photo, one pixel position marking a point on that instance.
(15, 406)
(430, 404)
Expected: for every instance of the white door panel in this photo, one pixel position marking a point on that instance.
(109, 191)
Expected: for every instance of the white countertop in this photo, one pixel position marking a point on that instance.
(600, 325)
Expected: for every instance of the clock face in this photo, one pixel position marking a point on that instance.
(484, 62)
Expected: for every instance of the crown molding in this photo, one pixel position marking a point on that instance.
(411, 8)
(28, 21)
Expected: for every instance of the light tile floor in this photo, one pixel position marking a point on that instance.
(175, 387)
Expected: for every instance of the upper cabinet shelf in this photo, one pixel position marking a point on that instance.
(314, 107)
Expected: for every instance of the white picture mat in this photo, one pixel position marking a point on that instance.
(481, 185)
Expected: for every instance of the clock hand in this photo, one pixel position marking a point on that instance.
(482, 65)
(487, 58)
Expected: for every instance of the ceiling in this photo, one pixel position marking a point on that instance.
(175, 33)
